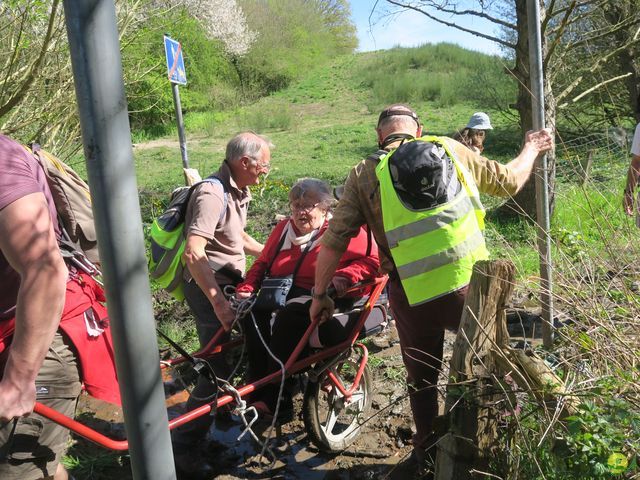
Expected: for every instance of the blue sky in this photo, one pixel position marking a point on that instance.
(410, 29)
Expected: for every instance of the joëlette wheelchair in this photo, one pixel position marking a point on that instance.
(338, 388)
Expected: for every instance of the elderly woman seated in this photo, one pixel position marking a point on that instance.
(292, 249)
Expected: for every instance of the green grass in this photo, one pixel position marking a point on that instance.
(88, 461)
(324, 124)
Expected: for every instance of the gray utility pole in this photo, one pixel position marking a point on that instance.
(541, 173)
(97, 72)
(181, 135)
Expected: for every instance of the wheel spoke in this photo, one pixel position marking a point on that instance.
(357, 397)
(331, 420)
(334, 420)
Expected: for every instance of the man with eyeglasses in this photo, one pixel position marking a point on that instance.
(214, 255)
(421, 202)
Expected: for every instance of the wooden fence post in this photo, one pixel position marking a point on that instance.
(586, 167)
(472, 425)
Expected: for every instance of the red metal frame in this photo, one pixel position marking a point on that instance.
(356, 381)
(292, 366)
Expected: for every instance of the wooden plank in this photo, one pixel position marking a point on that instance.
(470, 395)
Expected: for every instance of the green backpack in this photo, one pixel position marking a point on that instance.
(168, 240)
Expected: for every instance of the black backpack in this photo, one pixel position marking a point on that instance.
(423, 175)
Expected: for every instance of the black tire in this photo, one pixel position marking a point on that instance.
(323, 403)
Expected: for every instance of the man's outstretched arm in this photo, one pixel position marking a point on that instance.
(28, 241)
(535, 143)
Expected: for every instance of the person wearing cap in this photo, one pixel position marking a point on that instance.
(427, 252)
(472, 136)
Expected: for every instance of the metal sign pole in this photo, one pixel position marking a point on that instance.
(541, 173)
(177, 75)
(181, 135)
(102, 104)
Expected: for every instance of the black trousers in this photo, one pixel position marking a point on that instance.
(282, 337)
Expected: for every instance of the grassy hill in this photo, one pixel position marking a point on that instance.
(324, 124)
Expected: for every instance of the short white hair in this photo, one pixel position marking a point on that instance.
(246, 144)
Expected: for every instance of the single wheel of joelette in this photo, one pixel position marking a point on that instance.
(332, 421)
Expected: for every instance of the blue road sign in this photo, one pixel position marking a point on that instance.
(175, 61)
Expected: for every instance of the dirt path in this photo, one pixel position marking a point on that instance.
(383, 442)
(162, 142)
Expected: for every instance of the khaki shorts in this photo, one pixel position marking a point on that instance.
(37, 443)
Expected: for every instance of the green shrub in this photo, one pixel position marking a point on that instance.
(293, 37)
(444, 73)
(267, 116)
(600, 441)
(211, 78)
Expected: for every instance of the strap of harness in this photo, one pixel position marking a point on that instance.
(394, 137)
(202, 367)
(375, 157)
(76, 257)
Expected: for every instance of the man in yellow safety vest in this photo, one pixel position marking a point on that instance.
(420, 198)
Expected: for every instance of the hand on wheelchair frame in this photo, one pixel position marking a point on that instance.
(240, 302)
(323, 307)
(224, 311)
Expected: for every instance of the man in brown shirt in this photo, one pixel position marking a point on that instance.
(215, 257)
(420, 327)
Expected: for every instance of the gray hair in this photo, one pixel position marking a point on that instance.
(398, 123)
(315, 188)
(246, 144)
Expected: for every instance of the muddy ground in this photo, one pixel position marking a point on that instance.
(384, 440)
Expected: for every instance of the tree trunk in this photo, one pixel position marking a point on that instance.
(524, 202)
(613, 14)
(472, 396)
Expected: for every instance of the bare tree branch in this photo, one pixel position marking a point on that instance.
(28, 79)
(11, 61)
(549, 15)
(473, 13)
(630, 22)
(594, 88)
(563, 24)
(453, 25)
(601, 60)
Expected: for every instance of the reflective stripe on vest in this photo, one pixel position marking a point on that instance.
(434, 249)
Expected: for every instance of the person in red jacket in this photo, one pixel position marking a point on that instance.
(292, 249)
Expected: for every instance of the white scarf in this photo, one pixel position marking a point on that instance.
(291, 238)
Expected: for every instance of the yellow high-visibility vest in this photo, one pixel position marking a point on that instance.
(434, 250)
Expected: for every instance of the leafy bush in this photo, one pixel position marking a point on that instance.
(444, 73)
(211, 77)
(293, 36)
(598, 432)
(599, 441)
